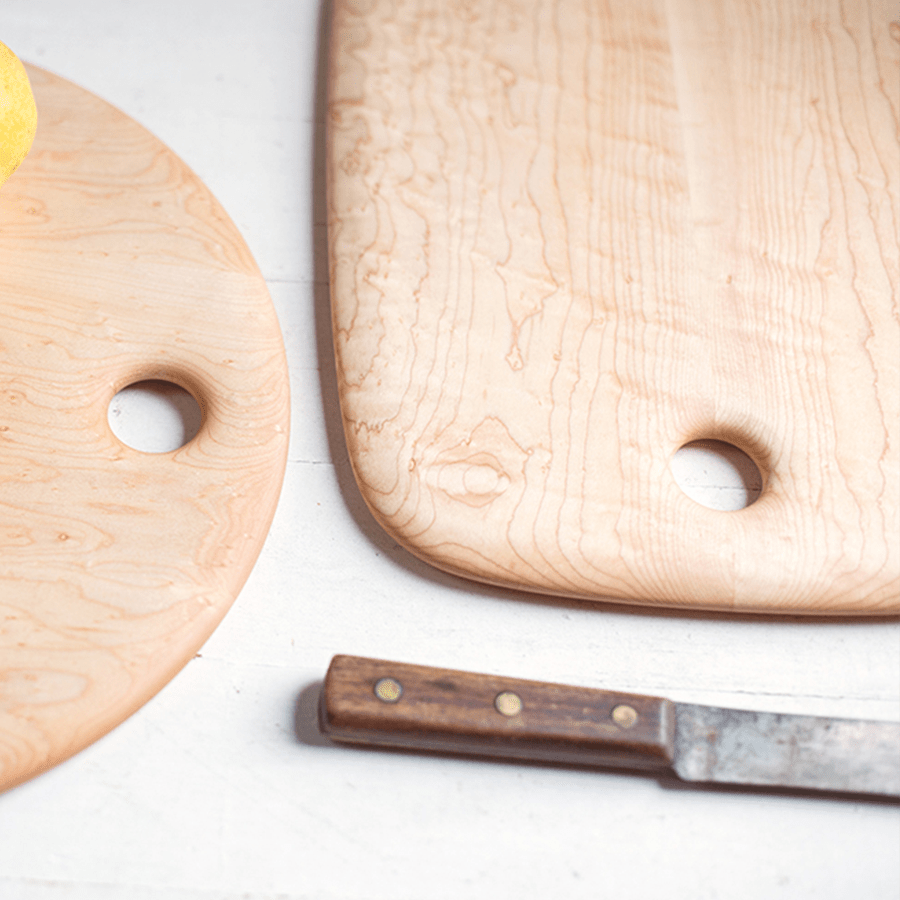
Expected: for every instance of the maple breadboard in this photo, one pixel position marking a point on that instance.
(118, 266)
(568, 238)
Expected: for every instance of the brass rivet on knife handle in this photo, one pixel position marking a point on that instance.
(625, 716)
(388, 690)
(508, 703)
(453, 711)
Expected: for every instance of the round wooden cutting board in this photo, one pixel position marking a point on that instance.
(118, 266)
(569, 238)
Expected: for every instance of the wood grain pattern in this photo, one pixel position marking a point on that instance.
(117, 265)
(453, 711)
(568, 238)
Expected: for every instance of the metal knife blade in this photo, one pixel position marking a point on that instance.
(382, 703)
(808, 752)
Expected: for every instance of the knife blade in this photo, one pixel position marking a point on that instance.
(392, 704)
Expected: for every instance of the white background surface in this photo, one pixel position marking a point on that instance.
(221, 787)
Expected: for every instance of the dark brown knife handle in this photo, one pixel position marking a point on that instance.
(380, 703)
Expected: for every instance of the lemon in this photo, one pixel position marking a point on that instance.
(18, 114)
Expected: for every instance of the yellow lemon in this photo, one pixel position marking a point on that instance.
(18, 114)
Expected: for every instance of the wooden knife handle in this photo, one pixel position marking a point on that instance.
(380, 703)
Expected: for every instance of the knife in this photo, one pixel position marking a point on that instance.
(391, 704)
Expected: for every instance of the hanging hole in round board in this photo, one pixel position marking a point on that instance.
(154, 416)
(717, 475)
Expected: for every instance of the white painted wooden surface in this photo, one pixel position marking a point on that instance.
(220, 787)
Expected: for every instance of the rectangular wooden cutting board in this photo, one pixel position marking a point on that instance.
(568, 238)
